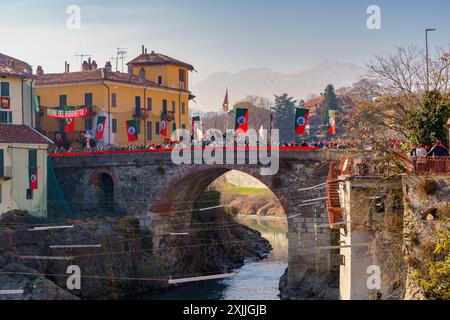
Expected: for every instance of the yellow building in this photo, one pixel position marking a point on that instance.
(23, 150)
(16, 93)
(154, 84)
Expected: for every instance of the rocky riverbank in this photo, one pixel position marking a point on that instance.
(128, 263)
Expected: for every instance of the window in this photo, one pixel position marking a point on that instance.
(114, 125)
(0, 193)
(157, 128)
(149, 130)
(159, 81)
(137, 105)
(5, 117)
(29, 194)
(113, 100)
(173, 106)
(165, 106)
(183, 108)
(182, 75)
(88, 124)
(4, 89)
(183, 126)
(149, 104)
(63, 100)
(174, 126)
(88, 99)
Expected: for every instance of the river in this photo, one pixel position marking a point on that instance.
(256, 280)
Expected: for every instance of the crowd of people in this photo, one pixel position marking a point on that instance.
(437, 150)
(414, 150)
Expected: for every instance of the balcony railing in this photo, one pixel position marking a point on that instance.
(430, 166)
(140, 113)
(5, 173)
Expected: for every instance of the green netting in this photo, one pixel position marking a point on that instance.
(58, 207)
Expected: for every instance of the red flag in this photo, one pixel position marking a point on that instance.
(34, 179)
(70, 125)
(164, 127)
(100, 127)
(132, 130)
(301, 120)
(241, 120)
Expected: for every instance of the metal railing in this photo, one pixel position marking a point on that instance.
(430, 165)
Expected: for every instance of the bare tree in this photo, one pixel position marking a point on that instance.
(392, 87)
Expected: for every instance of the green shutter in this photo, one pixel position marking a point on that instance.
(32, 159)
(2, 163)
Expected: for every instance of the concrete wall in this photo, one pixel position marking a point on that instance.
(14, 194)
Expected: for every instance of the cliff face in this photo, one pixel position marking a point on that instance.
(127, 252)
(426, 237)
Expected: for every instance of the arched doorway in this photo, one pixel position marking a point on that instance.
(105, 193)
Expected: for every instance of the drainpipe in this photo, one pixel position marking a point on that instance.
(145, 119)
(32, 106)
(23, 121)
(109, 107)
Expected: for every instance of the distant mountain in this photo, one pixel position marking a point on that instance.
(267, 82)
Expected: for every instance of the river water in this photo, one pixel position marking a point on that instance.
(256, 280)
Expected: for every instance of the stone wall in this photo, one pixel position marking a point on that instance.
(427, 206)
(151, 184)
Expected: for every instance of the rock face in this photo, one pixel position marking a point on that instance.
(128, 262)
(313, 286)
(426, 217)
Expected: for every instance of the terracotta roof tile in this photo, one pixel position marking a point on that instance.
(158, 58)
(88, 76)
(13, 133)
(18, 64)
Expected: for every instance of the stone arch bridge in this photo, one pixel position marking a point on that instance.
(149, 183)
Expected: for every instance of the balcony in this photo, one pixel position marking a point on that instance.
(140, 113)
(5, 173)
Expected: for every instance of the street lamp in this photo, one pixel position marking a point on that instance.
(426, 55)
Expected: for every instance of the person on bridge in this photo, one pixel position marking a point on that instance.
(438, 150)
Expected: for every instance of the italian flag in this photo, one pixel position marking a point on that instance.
(100, 127)
(194, 120)
(331, 122)
(70, 125)
(301, 120)
(131, 126)
(164, 125)
(241, 120)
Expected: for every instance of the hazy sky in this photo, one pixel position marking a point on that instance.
(218, 35)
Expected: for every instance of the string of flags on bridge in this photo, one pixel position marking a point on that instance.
(301, 123)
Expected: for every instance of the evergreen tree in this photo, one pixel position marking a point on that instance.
(426, 123)
(284, 117)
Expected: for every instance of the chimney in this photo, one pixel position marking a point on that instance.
(68, 67)
(39, 71)
(130, 70)
(108, 66)
(85, 66)
(143, 49)
(94, 65)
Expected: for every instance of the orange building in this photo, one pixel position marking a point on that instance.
(154, 84)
